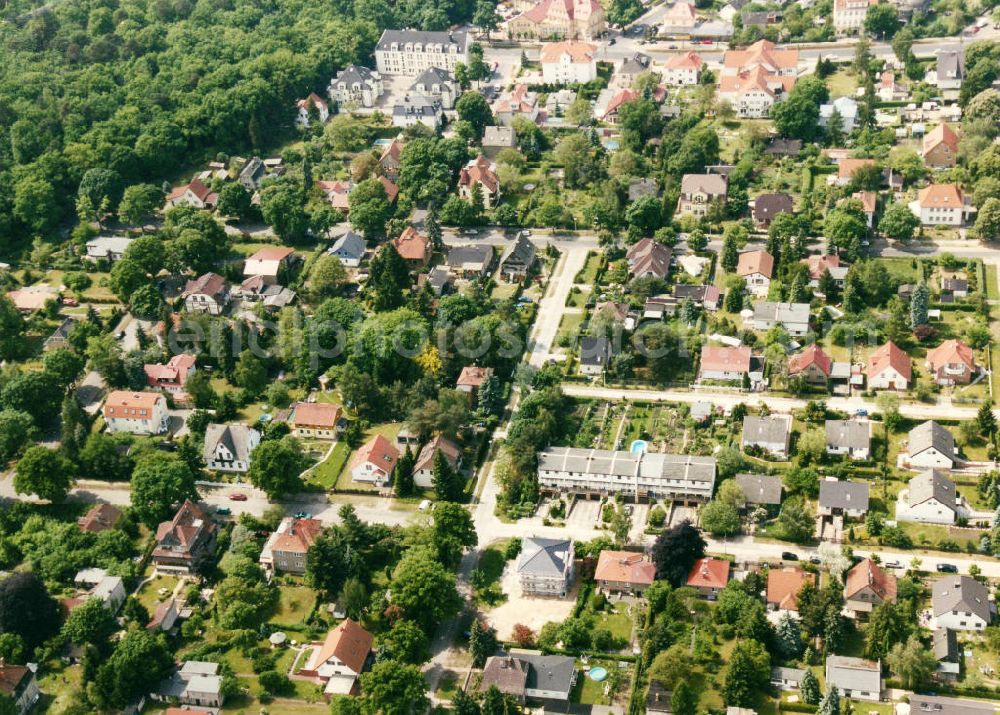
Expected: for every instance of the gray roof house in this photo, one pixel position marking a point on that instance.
(930, 497)
(107, 248)
(760, 488)
(349, 248)
(530, 675)
(931, 445)
(497, 138)
(228, 447)
(787, 678)
(961, 603)
(855, 677)
(944, 644)
(472, 261)
(771, 433)
(196, 683)
(518, 259)
(950, 70)
(842, 497)
(545, 566)
(595, 354)
(850, 437)
(793, 317)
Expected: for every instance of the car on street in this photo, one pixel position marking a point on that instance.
(789, 556)
(237, 497)
(815, 560)
(947, 568)
(303, 515)
(425, 505)
(893, 565)
(223, 511)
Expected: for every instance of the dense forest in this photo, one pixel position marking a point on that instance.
(147, 87)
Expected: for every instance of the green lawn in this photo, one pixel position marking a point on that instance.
(569, 328)
(326, 472)
(447, 686)
(389, 430)
(149, 594)
(992, 289)
(294, 605)
(589, 273)
(842, 83)
(588, 692)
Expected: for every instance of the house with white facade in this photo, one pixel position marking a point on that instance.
(846, 107)
(208, 293)
(771, 433)
(961, 603)
(356, 86)
(727, 364)
(569, 62)
(756, 268)
(793, 317)
(889, 368)
(941, 205)
(337, 662)
(410, 52)
(545, 567)
(228, 448)
(374, 461)
(108, 248)
(932, 446)
(849, 15)
(839, 497)
(699, 192)
(437, 83)
(849, 437)
(312, 106)
(683, 70)
(136, 412)
(855, 678)
(930, 498)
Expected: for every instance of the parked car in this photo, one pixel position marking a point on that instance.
(237, 497)
(223, 511)
(947, 568)
(815, 560)
(425, 505)
(789, 556)
(303, 515)
(893, 565)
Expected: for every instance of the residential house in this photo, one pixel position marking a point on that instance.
(846, 169)
(783, 147)
(569, 62)
(374, 461)
(100, 517)
(471, 262)
(955, 287)
(268, 263)
(28, 300)
(582, 19)
(752, 93)
(787, 678)
(415, 109)
(617, 101)
(940, 205)
(930, 498)
(869, 206)
(770, 433)
(944, 645)
(337, 194)
(812, 364)
(725, 363)
(545, 567)
(197, 683)
(760, 18)
(317, 420)
(931, 445)
(849, 437)
(439, 84)
(950, 69)
(208, 293)
(699, 191)
(842, 498)
(356, 86)
(940, 147)
(410, 52)
(413, 247)
(756, 268)
(252, 174)
(108, 248)
(173, 376)
(110, 591)
(624, 572)
(760, 488)
(193, 194)
(889, 90)
(952, 363)
(349, 249)
(519, 102)
(518, 259)
(339, 660)
(766, 207)
(185, 542)
(163, 618)
(423, 467)
(867, 585)
(472, 378)
(311, 106)
(632, 67)
(709, 577)
(256, 289)
(709, 297)
(480, 172)
(498, 138)
(683, 70)
(136, 412)
(648, 257)
(529, 675)
(596, 352)
(849, 15)
(389, 160)
(845, 107)
(961, 603)
(640, 187)
(18, 683)
(556, 104)
(793, 317)
(287, 546)
(783, 586)
(659, 306)
(60, 336)
(856, 678)
(889, 368)
(684, 478)
(678, 19)
(228, 448)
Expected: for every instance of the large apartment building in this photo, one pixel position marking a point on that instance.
(645, 475)
(410, 52)
(849, 15)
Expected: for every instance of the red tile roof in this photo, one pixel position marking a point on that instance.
(315, 414)
(378, 451)
(688, 60)
(480, 171)
(941, 196)
(752, 262)
(867, 573)
(812, 355)
(783, 586)
(411, 245)
(951, 352)
(625, 567)
(889, 355)
(709, 573)
(623, 96)
(121, 403)
(349, 643)
(819, 263)
(579, 52)
(725, 359)
(941, 134)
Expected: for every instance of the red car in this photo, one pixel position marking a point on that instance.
(237, 497)
(71, 302)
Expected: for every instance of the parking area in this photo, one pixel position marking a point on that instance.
(681, 513)
(640, 514)
(585, 513)
(527, 610)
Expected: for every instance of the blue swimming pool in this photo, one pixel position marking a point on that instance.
(597, 673)
(639, 446)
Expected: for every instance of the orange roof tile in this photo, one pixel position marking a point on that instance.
(725, 359)
(709, 573)
(812, 355)
(349, 643)
(122, 403)
(752, 262)
(783, 586)
(315, 414)
(847, 167)
(951, 352)
(819, 264)
(941, 196)
(688, 60)
(941, 134)
(579, 52)
(625, 567)
(889, 355)
(867, 573)
(378, 451)
(411, 245)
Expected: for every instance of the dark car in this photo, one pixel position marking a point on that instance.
(815, 560)
(947, 568)
(789, 556)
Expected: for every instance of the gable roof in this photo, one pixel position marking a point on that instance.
(450, 450)
(480, 171)
(411, 245)
(889, 355)
(473, 375)
(507, 673)
(314, 414)
(767, 206)
(711, 184)
(941, 196)
(379, 452)
(433, 75)
(941, 134)
(349, 643)
(184, 532)
(725, 359)
(783, 586)
(100, 517)
(11, 677)
(622, 96)
(850, 434)
(769, 429)
(521, 252)
(351, 245)
(685, 61)
(649, 256)
(854, 674)
(812, 355)
(544, 557)
(134, 405)
(951, 352)
(625, 567)
(294, 536)
(960, 593)
(196, 187)
(842, 494)
(578, 52)
(211, 284)
(752, 262)
(541, 11)
(236, 438)
(930, 435)
(760, 488)
(932, 484)
(950, 65)
(868, 199)
(762, 53)
(709, 573)
(847, 167)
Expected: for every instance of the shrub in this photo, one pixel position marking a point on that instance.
(274, 683)
(657, 516)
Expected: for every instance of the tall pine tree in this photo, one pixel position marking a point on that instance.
(447, 484)
(918, 305)
(402, 476)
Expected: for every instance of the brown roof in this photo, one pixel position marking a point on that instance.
(480, 171)
(508, 674)
(709, 573)
(315, 414)
(301, 534)
(473, 376)
(868, 199)
(623, 96)
(271, 253)
(812, 355)
(688, 60)
(391, 190)
(868, 573)
(725, 359)
(411, 245)
(625, 567)
(349, 643)
(184, 530)
(564, 8)
(196, 187)
(101, 517)
(889, 355)
(819, 264)
(134, 405)
(755, 262)
(767, 206)
(941, 134)
(847, 167)
(951, 352)
(379, 451)
(209, 284)
(11, 677)
(451, 451)
(783, 586)
(762, 53)
(393, 151)
(649, 256)
(941, 196)
(579, 52)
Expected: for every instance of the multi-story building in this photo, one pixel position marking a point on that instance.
(699, 191)
(646, 475)
(208, 293)
(889, 368)
(436, 84)
(356, 85)
(849, 15)
(951, 363)
(583, 19)
(185, 542)
(410, 52)
(682, 70)
(136, 412)
(545, 567)
(315, 419)
(228, 448)
(624, 572)
(286, 548)
(172, 376)
(961, 603)
(569, 62)
(480, 172)
(941, 205)
(756, 268)
(755, 78)
(940, 147)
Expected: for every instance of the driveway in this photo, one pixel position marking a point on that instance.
(531, 611)
(586, 513)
